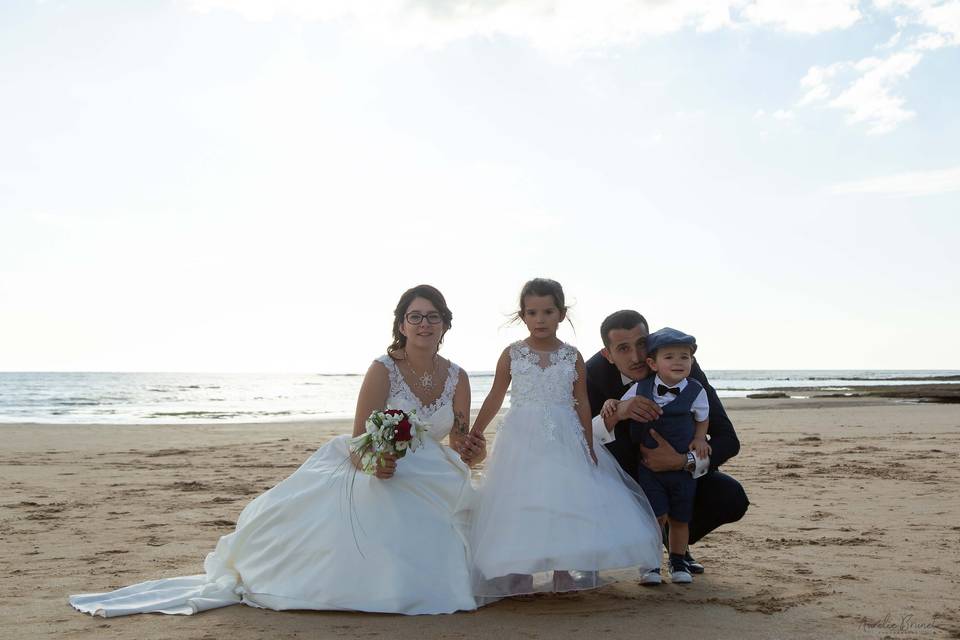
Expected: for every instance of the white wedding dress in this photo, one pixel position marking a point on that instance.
(329, 537)
(544, 507)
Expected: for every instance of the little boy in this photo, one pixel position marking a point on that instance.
(684, 425)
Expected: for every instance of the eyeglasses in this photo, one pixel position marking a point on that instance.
(415, 317)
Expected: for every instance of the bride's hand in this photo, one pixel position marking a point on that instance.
(473, 448)
(386, 467)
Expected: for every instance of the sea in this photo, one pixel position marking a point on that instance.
(192, 398)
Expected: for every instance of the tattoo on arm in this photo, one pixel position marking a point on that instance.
(460, 423)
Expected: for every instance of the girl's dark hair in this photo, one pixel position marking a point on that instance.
(543, 287)
(420, 291)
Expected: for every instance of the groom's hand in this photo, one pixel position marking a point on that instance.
(638, 408)
(664, 457)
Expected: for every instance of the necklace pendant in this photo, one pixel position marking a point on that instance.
(426, 381)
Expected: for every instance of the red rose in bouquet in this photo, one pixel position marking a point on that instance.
(404, 429)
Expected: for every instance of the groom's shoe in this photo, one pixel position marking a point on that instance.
(693, 565)
(679, 571)
(651, 577)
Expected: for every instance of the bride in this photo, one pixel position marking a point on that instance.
(331, 537)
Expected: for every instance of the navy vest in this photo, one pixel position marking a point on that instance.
(675, 425)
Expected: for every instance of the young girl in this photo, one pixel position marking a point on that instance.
(554, 509)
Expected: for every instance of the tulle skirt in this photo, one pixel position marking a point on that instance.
(547, 519)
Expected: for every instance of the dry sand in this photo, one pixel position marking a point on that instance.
(853, 531)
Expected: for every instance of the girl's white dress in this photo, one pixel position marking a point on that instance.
(543, 505)
(329, 537)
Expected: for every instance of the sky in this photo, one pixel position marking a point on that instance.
(237, 185)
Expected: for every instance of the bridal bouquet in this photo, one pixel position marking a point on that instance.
(388, 432)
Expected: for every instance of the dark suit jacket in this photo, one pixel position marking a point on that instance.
(603, 383)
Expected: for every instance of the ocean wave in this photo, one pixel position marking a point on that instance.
(220, 415)
(207, 415)
(82, 402)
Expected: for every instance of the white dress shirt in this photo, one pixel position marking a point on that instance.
(701, 407)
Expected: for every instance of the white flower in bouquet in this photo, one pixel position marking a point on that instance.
(388, 432)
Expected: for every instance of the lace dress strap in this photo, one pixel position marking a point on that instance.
(449, 387)
(567, 353)
(397, 388)
(520, 350)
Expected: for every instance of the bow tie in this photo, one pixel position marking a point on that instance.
(663, 390)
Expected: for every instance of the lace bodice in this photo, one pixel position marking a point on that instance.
(542, 377)
(439, 414)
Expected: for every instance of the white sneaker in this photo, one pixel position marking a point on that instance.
(651, 577)
(679, 574)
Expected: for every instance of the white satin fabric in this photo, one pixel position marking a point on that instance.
(329, 537)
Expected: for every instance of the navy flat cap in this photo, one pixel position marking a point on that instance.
(666, 337)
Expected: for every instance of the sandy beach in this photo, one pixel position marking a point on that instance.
(853, 531)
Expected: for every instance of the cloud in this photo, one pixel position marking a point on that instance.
(870, 100)
(810, 16)
(551, 25)
(570, 26)
(930, 42)
(866, 89)
(816, 82)
(939, 18)
(945, 18)
(917, 183)
(892, 42)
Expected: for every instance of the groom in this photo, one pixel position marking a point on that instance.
(719, 499)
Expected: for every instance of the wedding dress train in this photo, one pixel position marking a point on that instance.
(329, 537)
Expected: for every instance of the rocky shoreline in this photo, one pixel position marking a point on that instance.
(942, 393)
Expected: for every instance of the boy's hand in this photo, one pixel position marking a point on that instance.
(700, 447)
(638, 408)
(609, 408)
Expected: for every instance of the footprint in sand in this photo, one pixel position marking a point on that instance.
(219, 523)
(191, 485)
